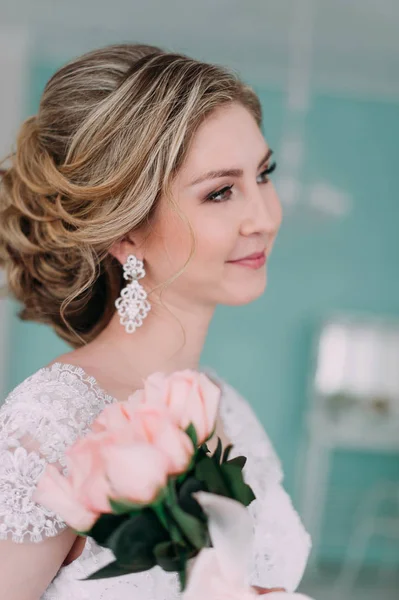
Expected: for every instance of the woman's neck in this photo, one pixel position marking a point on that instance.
(165, 342)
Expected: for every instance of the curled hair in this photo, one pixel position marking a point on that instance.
(112, 130)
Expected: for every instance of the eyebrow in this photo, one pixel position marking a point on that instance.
(228, 172)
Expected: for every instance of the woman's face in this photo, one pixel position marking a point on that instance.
(233, 216)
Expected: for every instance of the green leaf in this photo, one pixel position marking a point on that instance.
(171, 556)
(240, 490)
(218, 452)
(210, 472)
(120, 507)
(175, 532)
(202, 452)
(205, 448)
(192, 434)
(226, 452)
(238, 460)
(105, 525)
(186, 500)
(133, 542)
(193, 529)
(182, 579)
(113, 569)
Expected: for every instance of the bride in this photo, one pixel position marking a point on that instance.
(136, 201)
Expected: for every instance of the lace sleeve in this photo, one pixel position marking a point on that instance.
(38, 420)
(22, 461)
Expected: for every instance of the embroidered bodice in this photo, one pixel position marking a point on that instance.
(49, 410)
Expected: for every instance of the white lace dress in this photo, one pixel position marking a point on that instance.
(49, 410)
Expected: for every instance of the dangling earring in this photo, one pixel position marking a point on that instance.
(132, 303)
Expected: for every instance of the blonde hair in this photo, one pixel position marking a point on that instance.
(112, 130)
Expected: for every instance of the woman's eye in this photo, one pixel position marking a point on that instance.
(267, 172)
(214, 197)
(225, 193)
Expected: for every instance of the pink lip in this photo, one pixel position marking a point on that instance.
(254, 261)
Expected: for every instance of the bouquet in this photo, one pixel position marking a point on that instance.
(144, 484)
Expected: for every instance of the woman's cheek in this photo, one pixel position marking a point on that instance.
(218, 240)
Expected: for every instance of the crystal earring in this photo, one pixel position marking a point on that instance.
(132, 303)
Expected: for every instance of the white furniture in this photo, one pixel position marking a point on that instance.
(369, 524)
(354, 406)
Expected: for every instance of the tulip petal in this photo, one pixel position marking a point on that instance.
(210, 393)
(54, 491)
(136, 473)
(85, 464)
(177, 448)
(112, 417)
(155, 387)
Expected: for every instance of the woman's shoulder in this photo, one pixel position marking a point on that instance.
(39, 419)
(49, 409)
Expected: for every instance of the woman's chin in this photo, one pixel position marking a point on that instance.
(246, 293)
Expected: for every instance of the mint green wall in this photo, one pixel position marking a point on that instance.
(350, 264)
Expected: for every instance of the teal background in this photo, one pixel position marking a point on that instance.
(348, 264)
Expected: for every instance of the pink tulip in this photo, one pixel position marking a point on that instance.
(86, 465)
(102, 466)
(190, 396)
(55, 492)
(152, 424)
(137, 472)
(81, 496)
(114, 416)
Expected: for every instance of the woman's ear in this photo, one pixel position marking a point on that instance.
(122, 248)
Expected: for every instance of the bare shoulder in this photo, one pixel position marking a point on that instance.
(79, 358)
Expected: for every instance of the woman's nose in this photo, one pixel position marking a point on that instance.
(263, 214)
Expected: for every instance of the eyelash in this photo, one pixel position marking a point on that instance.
(212, 197)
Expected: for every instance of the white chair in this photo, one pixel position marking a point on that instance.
(368, 524)
(354, 406)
